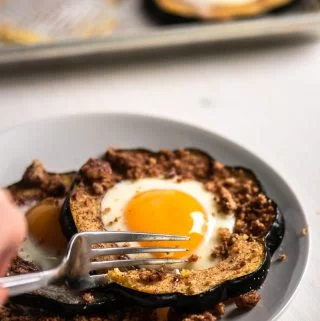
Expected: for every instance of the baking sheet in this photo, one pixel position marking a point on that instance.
(50, 21)
(33, 30)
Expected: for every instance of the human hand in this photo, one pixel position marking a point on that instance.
(12, 233)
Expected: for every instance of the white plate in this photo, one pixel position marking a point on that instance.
(66, 143)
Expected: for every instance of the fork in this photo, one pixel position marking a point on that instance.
(77, 263)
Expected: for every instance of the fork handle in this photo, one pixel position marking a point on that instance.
(19, 284)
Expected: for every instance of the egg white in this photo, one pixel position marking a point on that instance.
(115, 200)
(30, 250)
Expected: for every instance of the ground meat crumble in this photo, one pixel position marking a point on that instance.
(221, 251)
(193, 258)
(236, 190)
(282, 257)
(220, 308)
(248, 300)
(20, 266)
(304, 231)
(98, 173)
(37, 183)
(87, 297)
(147, 275)
(139, 164)
(37, 176)
(206, 316)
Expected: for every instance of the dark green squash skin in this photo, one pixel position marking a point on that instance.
(66, 221)
(199, 302)
(72, 306)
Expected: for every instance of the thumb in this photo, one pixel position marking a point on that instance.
(12, 233)
(3, 296)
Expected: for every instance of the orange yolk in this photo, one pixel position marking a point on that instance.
(44, 226)
(170, 212)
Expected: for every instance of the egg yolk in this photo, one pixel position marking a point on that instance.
(44, 226)
(169, 212)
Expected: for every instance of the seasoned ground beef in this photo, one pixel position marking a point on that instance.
(20, 266)
(37, 183)
(248, 300)
(236, 189)
(148, 276)
(220, 308)
(193, 258)
(282, 257)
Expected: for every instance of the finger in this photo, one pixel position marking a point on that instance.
(12, 230)
(12, 222)
(3, 296)
(6, 194)
(5, 260)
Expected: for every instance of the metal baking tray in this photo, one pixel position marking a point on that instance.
(33, 30)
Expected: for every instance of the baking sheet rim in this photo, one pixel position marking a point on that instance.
(166, 37)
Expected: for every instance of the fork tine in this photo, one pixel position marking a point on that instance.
(132, 262)
(112, 237)
(133, 250)
(99, 279)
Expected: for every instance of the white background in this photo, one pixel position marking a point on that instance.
(265, 97)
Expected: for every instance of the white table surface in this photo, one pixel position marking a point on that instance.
(266, 98)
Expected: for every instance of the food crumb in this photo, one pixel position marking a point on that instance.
(87, 298)
(282, 257)
(150, 276)
(185, 273)
(248, 300)
(206, 316)
(220, 308)
(224, 234)
(304, 231)
(193, 258)
(106, 211)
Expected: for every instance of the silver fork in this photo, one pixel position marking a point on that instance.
(77, 263)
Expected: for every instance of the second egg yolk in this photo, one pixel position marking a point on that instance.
(44, 227)
(169, 212)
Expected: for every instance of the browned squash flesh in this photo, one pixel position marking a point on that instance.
(244, 257)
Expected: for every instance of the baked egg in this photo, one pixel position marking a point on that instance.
(170, 206)
(45, 243)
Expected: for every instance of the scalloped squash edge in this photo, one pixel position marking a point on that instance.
(245, 257)
(187, 9)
